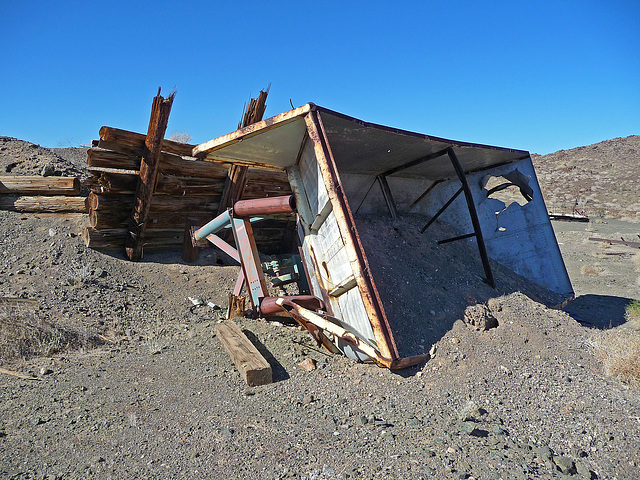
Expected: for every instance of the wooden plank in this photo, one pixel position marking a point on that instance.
(29, 185)
(161, 203)
(116, 183)
(160, 110)
(250, 363)
(189, 250)
(137, 140)
(237, 177)
(42, 204)
(119, 217)
(113, 239)
(169, 164)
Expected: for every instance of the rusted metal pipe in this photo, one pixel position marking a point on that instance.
(269, 305)
(265, 206)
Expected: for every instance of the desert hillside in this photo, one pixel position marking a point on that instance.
(603, 178)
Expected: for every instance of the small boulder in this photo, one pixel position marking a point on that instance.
(47, 170)
(309, 364)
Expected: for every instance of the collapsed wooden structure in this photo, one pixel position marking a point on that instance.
(186, 191)
(147, 192)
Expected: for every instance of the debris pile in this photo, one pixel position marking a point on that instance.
(188, 191)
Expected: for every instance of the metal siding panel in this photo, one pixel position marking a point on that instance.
(352, 307)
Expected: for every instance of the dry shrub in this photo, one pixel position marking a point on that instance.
(24, 335)
(619, 352)
(632, 313)
(180, 137)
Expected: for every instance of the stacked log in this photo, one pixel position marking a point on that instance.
(33, 194)
(188, 190)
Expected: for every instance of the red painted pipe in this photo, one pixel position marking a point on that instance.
(264, 206)
(268, 305)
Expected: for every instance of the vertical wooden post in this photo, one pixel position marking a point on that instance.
(160, 110)
(237, 178)
(189, 250)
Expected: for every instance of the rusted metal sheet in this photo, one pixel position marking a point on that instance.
(340, 168)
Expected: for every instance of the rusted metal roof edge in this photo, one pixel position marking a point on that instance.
(217, 143)
(453, 143)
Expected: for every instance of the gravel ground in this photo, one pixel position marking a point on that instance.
(152, 394)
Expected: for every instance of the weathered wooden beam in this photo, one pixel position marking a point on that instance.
(162, 203)
(29, 185)
(119, 218)
(125, 184)
(112, 239)
(237, 178)
(160, 110)
(169, 164)
(137, 140)
(189, 250)
(42, 204)
(250, 363)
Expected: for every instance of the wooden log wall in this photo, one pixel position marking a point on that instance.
(186, 189)
(34, 194)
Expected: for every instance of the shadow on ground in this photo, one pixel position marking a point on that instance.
(599, 311)
(278, 371)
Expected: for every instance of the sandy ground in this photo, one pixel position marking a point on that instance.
(148, 391)
(605, 277)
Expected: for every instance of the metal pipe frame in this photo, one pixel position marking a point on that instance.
(455, 239)
(425, 193)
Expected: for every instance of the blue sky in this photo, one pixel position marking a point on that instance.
(538, 76)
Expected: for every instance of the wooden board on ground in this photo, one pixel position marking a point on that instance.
(250, 363)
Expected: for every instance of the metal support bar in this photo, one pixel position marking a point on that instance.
(388, 197)
(444, 207)
(224, 246)
(425, 193)
(417, 161)
(474, 217)
(237, 289)
(455, 239)
(321, 216)
(215, 225)
(249, 260)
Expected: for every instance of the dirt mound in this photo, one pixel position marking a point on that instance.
(603, 178)
(18, 157)
(426, 287)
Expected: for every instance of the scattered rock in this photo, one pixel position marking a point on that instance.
(309, 364)
(565, 464)
(47, 170)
